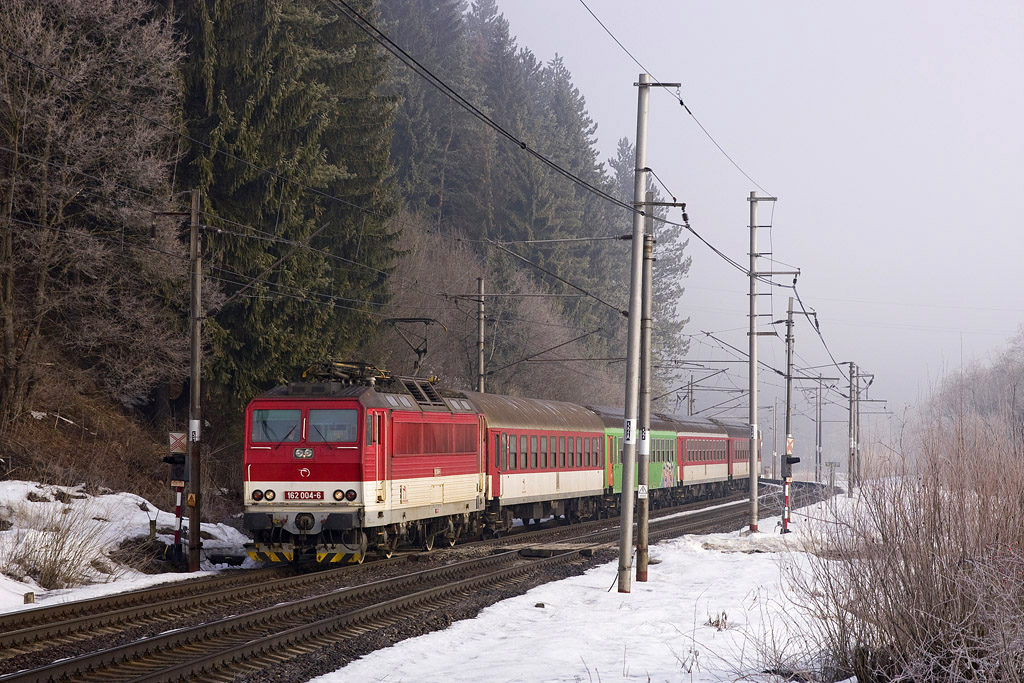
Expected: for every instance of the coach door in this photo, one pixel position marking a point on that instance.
(498, 462)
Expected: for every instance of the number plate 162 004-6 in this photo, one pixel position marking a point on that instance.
(303, 495)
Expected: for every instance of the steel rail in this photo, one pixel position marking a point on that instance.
(67, 610)
(266, 618)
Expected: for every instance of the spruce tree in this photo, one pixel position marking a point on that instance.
(284, 99)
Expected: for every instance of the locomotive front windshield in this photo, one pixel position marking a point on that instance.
(333, 426)
(276, 426)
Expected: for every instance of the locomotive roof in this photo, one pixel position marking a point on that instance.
(390, 395)
(514, 412)
(615, 417)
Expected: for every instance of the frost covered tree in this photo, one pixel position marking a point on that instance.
(89, 270)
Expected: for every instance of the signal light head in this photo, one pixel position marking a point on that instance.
(257, 495)
(350, 495)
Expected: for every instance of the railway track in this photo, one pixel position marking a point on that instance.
(266, 619)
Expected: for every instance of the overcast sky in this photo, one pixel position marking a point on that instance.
(890, 133)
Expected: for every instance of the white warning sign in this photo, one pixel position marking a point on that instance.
(641, 491)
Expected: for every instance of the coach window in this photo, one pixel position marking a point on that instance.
(522, 450)
(533, 452)
(544, 452)
(513, 456)
(586, 451)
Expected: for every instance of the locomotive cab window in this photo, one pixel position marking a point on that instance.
(337, 426)
(275, 426)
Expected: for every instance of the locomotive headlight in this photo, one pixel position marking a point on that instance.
(269, 494)
(257, 495)
(339, 495)
(350, 495)
(303, 453)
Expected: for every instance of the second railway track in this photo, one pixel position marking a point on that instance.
(230, 632)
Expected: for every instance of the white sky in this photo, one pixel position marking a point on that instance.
(891, 134)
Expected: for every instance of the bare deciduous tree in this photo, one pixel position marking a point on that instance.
(437, 278)
(88, 270)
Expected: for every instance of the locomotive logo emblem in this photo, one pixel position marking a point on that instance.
(304, 471)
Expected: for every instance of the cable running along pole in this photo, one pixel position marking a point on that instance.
(644, 465)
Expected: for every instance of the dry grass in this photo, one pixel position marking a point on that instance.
(56, 545)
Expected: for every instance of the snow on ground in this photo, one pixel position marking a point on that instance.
(709, 606)
(76, 528)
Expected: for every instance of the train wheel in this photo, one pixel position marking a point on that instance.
(451, 541)
(388, 551)
(428, 542)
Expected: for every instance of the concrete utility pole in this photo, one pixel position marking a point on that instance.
(775, 433)
(480, 334)
(817, 438)
(644, 465)
(788, 460)
(691, 399)
(629, 426)
(853, 432)
(753, 362)
(860, 478)
(194, 415)
(754, 472)
(633, 342)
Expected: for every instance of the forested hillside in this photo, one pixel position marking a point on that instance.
(342, 193)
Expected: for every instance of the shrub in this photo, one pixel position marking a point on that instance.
(923, 578)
